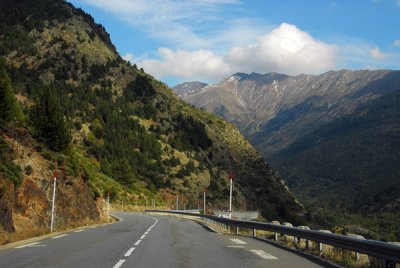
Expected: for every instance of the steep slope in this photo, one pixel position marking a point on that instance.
(332, 136)
(132, 137)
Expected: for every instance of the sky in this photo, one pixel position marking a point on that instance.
(208, 40)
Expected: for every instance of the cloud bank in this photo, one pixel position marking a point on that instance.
(208, 40)
(286, 49)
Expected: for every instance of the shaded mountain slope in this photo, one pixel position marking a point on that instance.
(334, 136)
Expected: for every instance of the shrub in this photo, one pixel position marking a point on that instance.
(28, 170)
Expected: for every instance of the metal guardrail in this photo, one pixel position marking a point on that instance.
(385, 251)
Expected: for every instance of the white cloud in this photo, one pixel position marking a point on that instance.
(286, 49)
(176, 22)
(129, 57)
(190, 65)
(396, 43)
(376, 53)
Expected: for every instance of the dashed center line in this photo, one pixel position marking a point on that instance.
(263, 255)
(119, 263)
(59, 236)
(129, 252)
(238, 241)
(132, 249)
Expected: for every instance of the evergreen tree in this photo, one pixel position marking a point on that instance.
(7, 98)
(48, 120)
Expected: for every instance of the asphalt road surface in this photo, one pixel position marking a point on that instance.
(142, 240)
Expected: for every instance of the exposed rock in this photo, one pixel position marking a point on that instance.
(6, 205)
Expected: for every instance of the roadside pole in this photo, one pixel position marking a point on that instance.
(54, 199)
(204, 200)
(230, 198)
(108, 206)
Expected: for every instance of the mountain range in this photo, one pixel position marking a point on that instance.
(334, 137)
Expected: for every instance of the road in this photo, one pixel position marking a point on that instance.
(142, 240)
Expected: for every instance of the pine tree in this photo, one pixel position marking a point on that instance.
(48, 120)
(7, 98)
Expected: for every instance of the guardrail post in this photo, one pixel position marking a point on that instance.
(254, 233)
(320, 245)
(276, 234)
(237, 230)
(320, 248)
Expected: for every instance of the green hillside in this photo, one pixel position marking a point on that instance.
(109, 127)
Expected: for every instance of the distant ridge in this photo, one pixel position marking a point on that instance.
(333, 136)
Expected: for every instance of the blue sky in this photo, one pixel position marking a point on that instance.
(207, 40)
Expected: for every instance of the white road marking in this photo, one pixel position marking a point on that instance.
(143, 236)
(234, 246)
(238, 241)
(59, 236)
(78, 231)
(129, 252)
(138, 242)
(119, 263)
(263, 255)
(146, 233)
(119, 218)
(28, 245)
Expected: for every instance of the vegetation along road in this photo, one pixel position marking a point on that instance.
(145, 241)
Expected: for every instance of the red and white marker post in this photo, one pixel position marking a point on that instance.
(54, 199)
(108, 207)
(230, 193)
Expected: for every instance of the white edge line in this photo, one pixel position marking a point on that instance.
(78, 231)
(119, 263)
(28, 245)
(119, 218)
(59, 236)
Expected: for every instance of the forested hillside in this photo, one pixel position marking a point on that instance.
(106, 126)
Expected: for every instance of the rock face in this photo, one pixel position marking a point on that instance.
(330, 134)
(188, 88)
(6, 205)
(25, 208)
